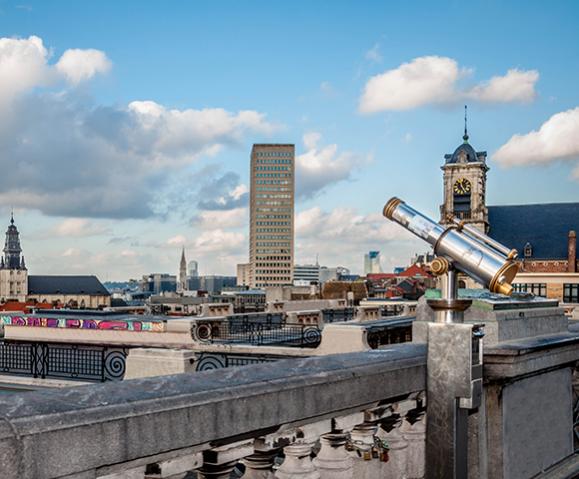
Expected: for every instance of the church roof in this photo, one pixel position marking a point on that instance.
(545, 227)
(53, 284)
(469, 153)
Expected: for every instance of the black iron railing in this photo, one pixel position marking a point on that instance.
(240, 331)
(64, 361)
(397, 332)
(209, 361)
(338, 315)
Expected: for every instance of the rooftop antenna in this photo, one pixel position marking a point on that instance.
(465, 137)
(317, 259)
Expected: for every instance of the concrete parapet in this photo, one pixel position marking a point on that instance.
(342, 338)
(216, 309)
(305, 317)
(368, 313)
(143, 363)
(79, 432)
(527, 425)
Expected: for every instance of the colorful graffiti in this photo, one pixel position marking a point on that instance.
(155, 326)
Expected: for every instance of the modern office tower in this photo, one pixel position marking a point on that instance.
(306, 274)
(243, 274)
(193, 269)
(271, 230)
(372, 262)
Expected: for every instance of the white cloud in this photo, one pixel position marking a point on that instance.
(64, 156)
(346, 225)
(374, 54)
(434, 80)
(517, 86)
(322, 166)
(79, 227)
(556, 139)
(177, 240)
(22, 66)
(79, 65)
(71, 253)
(220, 242)
(342, 236)
(222, 219)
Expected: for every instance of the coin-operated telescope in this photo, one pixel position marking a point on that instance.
(459, 246)
(454, 349)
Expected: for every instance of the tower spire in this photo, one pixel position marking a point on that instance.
(12, 216)
(465, 136)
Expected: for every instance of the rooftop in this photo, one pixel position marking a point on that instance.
(56, 284)
(544, 226)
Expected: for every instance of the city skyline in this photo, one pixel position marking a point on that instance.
(158, 129)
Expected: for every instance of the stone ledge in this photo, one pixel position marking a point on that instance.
(530, 355)
(74, 431)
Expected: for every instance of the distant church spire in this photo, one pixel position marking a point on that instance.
(183, 272)
(465, 136)
(12, 249)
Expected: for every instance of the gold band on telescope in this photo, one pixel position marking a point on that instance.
(391, 206)
(439, 266)
(509, 270)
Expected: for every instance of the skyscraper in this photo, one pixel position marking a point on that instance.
(271, 231)
(372, 262)
(193, 269)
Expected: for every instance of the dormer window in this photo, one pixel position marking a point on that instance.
(528, 250)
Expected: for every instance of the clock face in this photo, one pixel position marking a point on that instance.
(462, 186)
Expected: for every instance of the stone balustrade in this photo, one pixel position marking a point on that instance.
(306, 418)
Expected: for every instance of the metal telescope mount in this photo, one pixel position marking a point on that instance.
(454, 349)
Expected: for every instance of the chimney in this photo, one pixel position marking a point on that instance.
(572, 253)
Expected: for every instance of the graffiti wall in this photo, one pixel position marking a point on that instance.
(155, 326)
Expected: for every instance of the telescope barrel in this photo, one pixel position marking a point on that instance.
(509, 253)
(471, 255)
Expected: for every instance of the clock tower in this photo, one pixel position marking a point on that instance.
(465, 175)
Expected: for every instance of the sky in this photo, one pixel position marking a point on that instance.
(126, 127)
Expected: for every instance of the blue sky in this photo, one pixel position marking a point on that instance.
(114, 187)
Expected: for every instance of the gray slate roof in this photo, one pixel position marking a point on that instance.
(546, 227)
(40, 284)
(472, 156)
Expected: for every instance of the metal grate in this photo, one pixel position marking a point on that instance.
(68, 361)
(240, 331)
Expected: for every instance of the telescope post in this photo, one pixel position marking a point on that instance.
(454, 380)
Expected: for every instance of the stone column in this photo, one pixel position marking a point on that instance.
(365, 466)
(415, 435)
(395, 466)
(298, 463)
(333, 462)
(260, 464)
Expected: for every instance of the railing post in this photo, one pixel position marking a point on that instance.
(415, 434)
(362, 442)
(395, 467)
(259, 465)
(298, 462)
(333, 462)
